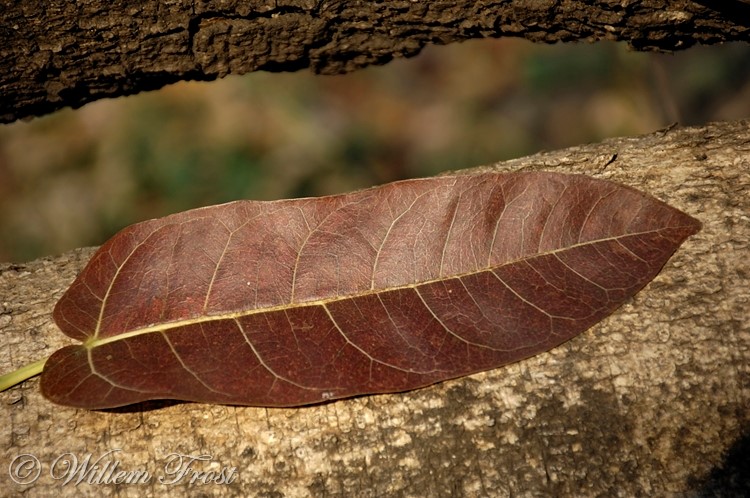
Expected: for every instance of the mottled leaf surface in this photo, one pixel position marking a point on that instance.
(397, 287)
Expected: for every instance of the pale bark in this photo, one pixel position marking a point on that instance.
(651, 402)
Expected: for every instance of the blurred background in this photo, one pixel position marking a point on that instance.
(74, 178)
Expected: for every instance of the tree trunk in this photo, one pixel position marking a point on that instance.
(653, 401)
(59, 53)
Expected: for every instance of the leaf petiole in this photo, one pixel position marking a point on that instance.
(24, 373)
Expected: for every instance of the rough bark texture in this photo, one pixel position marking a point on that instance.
(60, 53)
(654, 401)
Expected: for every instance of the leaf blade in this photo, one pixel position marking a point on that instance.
(306, 300)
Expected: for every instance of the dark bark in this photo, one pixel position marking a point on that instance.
(653, 401)
(59, 53)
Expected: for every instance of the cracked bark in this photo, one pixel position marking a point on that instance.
(58, 53)
(653, 401)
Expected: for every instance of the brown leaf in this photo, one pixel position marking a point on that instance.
(300, 301)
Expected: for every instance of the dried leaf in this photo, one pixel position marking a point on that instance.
(393, 288)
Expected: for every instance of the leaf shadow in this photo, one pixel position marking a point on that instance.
(159, 404)
(144, 406)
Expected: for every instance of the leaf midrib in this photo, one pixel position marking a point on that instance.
(166, 326)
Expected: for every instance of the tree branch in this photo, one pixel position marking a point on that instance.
(646, 403)
(59, 53)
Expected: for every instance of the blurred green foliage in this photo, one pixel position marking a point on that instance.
(76, 177)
